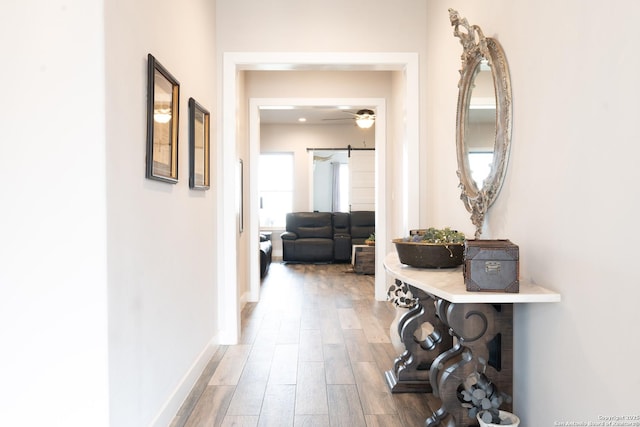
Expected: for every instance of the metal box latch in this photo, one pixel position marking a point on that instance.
(492, 267)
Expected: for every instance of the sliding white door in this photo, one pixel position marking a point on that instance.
(362, 172)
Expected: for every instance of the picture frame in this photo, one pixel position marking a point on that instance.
(199, 146)
(163, 98)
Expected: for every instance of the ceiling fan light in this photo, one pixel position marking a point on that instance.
(364, 122)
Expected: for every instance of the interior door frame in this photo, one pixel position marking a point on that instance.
(254, 153)
(228, 315)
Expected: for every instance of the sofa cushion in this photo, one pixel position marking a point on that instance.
(314, 250)
(341, 223)
(310, 224)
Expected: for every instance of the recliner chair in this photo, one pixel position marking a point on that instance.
(308, 237)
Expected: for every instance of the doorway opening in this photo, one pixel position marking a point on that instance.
(406, 118)
(378, 202)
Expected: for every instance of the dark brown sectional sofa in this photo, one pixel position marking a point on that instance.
(323, 237)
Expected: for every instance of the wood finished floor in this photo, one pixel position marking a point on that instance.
(313, 352)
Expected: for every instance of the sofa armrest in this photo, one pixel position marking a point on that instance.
(288, 235)
(342, 247)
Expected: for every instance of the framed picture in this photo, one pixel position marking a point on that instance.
(163, 95)
(199, 119)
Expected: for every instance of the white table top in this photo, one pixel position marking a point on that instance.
(449, 284)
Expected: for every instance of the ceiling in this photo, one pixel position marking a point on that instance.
(289, 115)
(314, 115)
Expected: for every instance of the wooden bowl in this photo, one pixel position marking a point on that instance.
(430, 255)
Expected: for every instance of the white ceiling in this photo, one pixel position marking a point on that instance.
(313, 115)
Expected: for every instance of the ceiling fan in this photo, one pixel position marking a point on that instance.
(364, 118)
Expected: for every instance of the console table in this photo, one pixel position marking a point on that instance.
(466, 332)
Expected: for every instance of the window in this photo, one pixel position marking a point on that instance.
(276, 188)
(480, 164)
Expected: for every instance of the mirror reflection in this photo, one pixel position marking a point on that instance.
(481, 124)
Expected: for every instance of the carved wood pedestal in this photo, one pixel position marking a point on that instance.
(411, 369)
(466, 332)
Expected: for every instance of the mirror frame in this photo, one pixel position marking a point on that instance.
(477, 47)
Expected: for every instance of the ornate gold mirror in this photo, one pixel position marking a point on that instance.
(483, 128)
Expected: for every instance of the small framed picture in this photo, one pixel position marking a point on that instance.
(163, 97)
(199, 119)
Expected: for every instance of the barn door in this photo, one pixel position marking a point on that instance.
(362, 171)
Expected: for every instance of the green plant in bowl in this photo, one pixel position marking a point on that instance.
(436, 236)
(371, 240)
(431, 248)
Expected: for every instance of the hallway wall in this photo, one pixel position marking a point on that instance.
(53, 308)
(570, 196)
(161, 237)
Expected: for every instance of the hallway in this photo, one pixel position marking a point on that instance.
(313, 352)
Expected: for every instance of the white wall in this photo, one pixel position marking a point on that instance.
(397, 193)
(53, 281)
(161, 237)
(330, 26)
(570, 196)
(296, 139)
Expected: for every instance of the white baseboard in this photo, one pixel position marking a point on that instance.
(180, 394)
(245, 298)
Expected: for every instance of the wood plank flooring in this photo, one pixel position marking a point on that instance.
(313, 352)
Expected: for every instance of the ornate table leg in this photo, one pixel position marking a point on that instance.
(484, 343)
(410, 371)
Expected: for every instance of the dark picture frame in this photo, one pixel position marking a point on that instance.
(163, 99)
(199, 146)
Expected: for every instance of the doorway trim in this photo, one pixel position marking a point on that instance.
(228, 306)
(379, 105)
